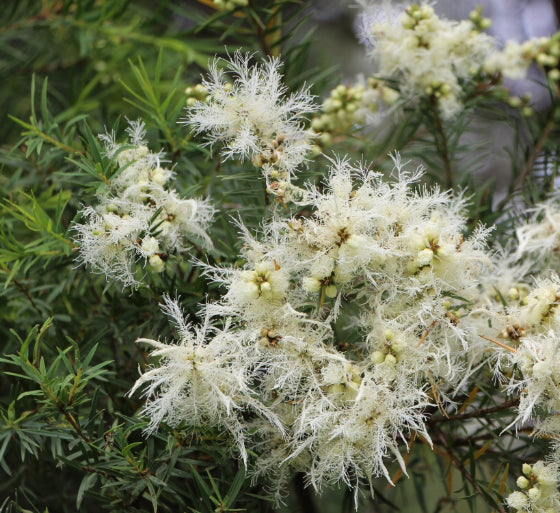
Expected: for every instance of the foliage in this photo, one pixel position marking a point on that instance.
(72, 435)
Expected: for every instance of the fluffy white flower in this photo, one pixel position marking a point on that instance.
(137, 219)
(539, 237)
(334, 410)
(247, 110)
(195, 381)
(428, 55)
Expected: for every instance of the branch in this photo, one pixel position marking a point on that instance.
(461, 468)
(534, 155)
(526, 172)
(443, 144)
(477, 413)
(21, 287)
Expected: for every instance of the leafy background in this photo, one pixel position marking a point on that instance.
(70, 438)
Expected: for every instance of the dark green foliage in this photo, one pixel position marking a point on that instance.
(70, 437)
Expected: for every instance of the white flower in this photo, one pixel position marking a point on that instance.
(195, 381)
(540, 485)
(428, 55)
(539, 237)
(150, 246)
(511, 62)
(253, 117)
(538, 359)
(137, 220)
(337, 415)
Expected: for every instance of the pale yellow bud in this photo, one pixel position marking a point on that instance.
(157, 264)
(390, 360)
(522, 482)
(378, 357)
(331, 291)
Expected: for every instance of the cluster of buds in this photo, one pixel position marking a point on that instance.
(516, 58)
(418, 46)
(230, 5)
(342, 380)
(415, 14)
(393, 347)
(266, 282)
(430, 249)
(522, 103)
(479, 21)
(196, 93)
(539, 493)
(270, 337)
(350, 105)
(545, 51)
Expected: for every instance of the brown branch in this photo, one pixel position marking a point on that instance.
(477, 413)
(534, 155)
(261, 34)
(461, 468)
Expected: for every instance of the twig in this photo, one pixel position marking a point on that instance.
(69, 417)
(443, 143)
(501, 344)
(525, 173)
(476, 413)
(427, 332)
(461, 468)
(21, 287)
(534, 155)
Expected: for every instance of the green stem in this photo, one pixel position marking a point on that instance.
(443, 144)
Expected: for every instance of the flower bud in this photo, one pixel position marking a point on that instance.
(513, 293)
(522, 482)
(534, 493)
(157, 264)
(390, 360)
(311, 285)
(378, 357)
(331, 291)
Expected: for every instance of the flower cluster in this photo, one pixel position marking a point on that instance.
(343, 322)
(529, 330)
(195, 94)
(253, 118)
(397, 255)
(539, 485)
(515, 59)
(429, 56)
(518, 312)
(137, 219)
(352, 105)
